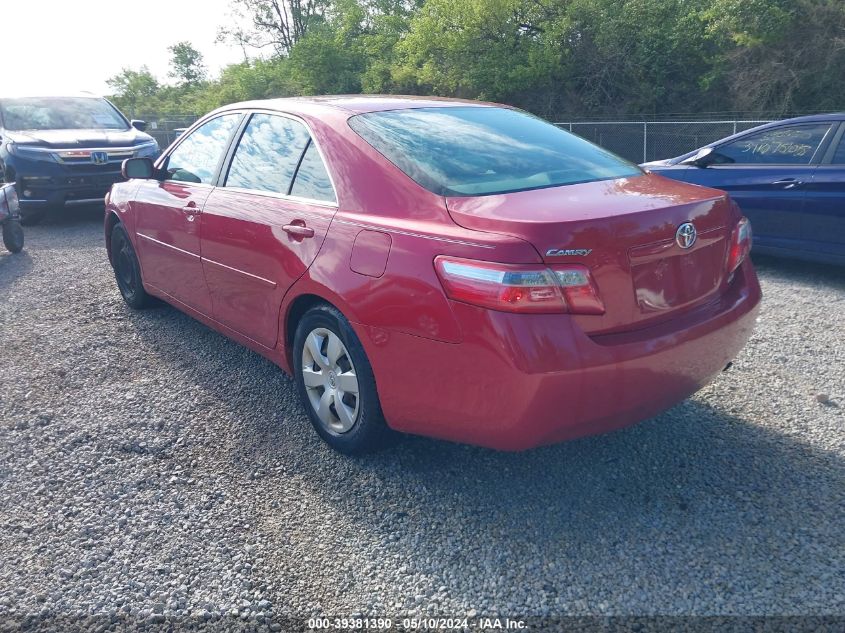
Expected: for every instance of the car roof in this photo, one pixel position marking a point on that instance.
(810, 118)
(356, 104)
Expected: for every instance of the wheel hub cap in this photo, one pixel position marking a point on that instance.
(330, 380)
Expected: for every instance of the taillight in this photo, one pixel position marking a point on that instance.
(740, 245)
(519, 288)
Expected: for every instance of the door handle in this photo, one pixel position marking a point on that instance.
(298, 229)
(788, 183)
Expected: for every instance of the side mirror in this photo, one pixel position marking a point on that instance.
(702, 158)
(139, 125)
(137, 168)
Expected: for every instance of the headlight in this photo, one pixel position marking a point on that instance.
(31, 152)
(147, 150)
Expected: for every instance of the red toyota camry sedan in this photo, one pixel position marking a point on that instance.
(453, 269)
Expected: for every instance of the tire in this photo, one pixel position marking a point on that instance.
(13, 236)
(127, 271)
(350, 368)
(31, 217)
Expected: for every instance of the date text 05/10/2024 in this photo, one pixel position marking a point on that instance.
(418, 624)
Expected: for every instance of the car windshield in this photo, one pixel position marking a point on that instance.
(60, 113)
(476, 151)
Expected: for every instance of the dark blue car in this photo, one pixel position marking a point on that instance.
(65, 150)
(789, 179)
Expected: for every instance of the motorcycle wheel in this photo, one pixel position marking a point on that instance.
(13, 236)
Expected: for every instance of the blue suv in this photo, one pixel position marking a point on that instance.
(65, 150)
(789, 179)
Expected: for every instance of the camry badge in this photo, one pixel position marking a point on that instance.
(99, 158)
(686, 235)
(561, 252)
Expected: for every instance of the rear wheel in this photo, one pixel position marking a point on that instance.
(31, 217)
(13, 236)
(336, 383)
(127, 270)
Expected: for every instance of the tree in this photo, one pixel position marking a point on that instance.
(489, 49)
(279, 24)
(186, 64)
(558, 58)
(133, 88)
(781, 55)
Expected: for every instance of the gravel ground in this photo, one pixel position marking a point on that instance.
(151, 468)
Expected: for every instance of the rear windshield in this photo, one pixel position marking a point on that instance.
(476, 151)
(61, 113)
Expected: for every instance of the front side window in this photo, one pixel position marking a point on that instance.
(792, 145)
(61, 113)
(475, 151)
(268, 154)
(195, 159)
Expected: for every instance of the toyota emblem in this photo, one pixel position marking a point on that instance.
(686, 235)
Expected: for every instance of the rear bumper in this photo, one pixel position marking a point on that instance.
(520, 381)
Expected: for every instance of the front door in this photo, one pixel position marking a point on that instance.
(265, 224)
(168, 215)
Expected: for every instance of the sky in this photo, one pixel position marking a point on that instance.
(53, 46)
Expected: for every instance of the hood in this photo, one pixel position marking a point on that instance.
(69, 139)
(667, 162)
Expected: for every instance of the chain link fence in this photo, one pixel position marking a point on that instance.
(643, 141)
(167, 128)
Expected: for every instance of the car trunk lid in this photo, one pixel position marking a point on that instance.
(624, 230)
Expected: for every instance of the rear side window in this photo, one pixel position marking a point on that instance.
(474, 151)
(792, 145)
(196, 158)
(312, 179)
(268, 154)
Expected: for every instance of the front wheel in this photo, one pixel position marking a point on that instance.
(336, 383)
(13, 236)
(127, 270)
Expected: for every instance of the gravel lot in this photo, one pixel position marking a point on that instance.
(150, 467)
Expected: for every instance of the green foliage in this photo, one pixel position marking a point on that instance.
(133, 88)
(186, 64)
(487, 49)
(559, 58)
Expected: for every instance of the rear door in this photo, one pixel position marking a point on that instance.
(823, 224)
(767, 173)
(265, 222)
(167, 213)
